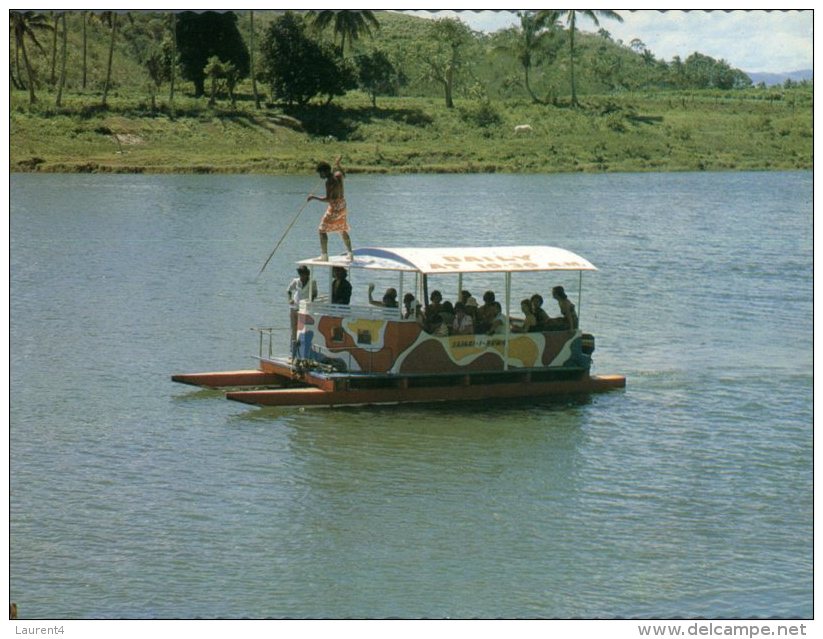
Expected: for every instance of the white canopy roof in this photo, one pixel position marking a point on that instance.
(484, 259)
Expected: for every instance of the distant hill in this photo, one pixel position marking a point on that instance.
(771, 79)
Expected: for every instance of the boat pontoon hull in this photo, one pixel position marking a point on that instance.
(313, 396)
(281, 383)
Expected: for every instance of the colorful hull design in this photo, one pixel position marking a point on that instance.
(401, 347)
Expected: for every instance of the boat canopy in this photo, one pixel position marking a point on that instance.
(484, 259)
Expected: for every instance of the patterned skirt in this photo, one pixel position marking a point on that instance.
(335, 219)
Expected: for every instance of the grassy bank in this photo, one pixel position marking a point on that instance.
(748, 130)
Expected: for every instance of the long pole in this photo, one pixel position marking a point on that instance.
(282, 237)
(280, 241)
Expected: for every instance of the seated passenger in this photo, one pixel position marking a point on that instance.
(467, 299)
(389, 298)
(529, 322)
(447, 313)
(411, 308)
(469, 303)
(568, 321)
(541, 318)
(432, 309)
(486, 313)
(471, 307)
(341, 287)
(437, 327)
(498, 322)
(434, 306)
(462, 323)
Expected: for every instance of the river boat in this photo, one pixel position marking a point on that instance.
(367, 354)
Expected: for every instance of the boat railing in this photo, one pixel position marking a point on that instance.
(346, 310)
(264, 332)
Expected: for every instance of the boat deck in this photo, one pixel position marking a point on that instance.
(280, 383)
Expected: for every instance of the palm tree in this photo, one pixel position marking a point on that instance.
(25, 25)
(571, 19)
(173, 70)
(63, 59)
(251, 61)
(85, 17)
(110, 18)
(349, 24)
(53, 77)
(532, 40)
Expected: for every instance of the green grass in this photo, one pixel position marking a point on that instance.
(626, 133)
(755, 129)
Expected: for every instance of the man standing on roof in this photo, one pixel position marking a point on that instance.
(335, 218)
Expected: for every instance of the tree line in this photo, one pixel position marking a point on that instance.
(310, 55)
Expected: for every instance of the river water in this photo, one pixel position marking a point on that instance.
(689, 494)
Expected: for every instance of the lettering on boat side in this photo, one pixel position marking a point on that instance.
(472, 342)
(39, 630)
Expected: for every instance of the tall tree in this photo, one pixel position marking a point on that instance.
(348, 24)
(149, 43)
(109, 18)
(173, 69)
(25, 25)
(445, 59)
(377, 75)
(571, 20)
(55, 16)
(156, 65)
(63, 59)
(300, 68)
(85, 17)
(251, 61)
(203, 35)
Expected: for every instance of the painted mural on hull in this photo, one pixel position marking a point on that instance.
(373, 345)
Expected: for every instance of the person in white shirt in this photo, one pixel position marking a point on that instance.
(299, 290)
(498, 323)
(462, 323)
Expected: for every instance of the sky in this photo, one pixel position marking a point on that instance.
(752, 41)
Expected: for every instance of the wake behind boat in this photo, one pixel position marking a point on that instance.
(386, 352)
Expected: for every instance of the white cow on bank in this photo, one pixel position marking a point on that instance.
(523, 128)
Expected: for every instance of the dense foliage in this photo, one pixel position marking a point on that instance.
(201, 36)
(377, 75)
(435, 58)
(299, 68)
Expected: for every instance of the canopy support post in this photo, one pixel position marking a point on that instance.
(425, 290)
(400, 295)
(508, 320)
